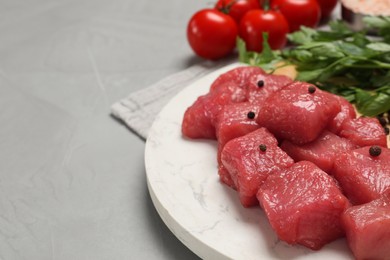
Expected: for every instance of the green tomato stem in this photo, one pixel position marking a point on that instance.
(266, 5)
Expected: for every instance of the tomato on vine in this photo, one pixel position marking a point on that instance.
(212, 34)
(256, 22)
(237, 8)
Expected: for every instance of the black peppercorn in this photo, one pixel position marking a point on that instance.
(251, 115)
(375, 150)
(311, 89)
(260, 83)
(263, 147)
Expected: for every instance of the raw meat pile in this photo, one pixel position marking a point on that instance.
(318, 171)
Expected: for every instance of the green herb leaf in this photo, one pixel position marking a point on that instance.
(305, 35)
(267, 59)
(267, 54)
(380, 24)
(310, 75)
(340, 27)
(362, 98)
(379, 46)
(242, 53)
(350, 49)
(327, 50)
(376, 22)
(373, 104)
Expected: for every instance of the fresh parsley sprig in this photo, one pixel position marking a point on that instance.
(348, 63)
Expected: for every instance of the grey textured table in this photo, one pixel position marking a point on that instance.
(72, 178)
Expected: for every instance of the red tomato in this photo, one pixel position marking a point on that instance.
(298, 12)
(212, 34)
(327, 7)
(255, 22)
(237, 8)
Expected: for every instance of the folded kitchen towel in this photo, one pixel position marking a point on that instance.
(139, 109)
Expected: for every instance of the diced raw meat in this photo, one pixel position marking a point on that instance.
(303, 205)
(257, 84)
(199, 118)
(233, 121)
(236, 120)
(236, 93)
(249, 165)
(321, 151)
(367, 228)
(262, 86)
(224, 176)
(239, 77)
(364, 131)
(347, 112)
(231, 87)
(299, 112)
(363, 177)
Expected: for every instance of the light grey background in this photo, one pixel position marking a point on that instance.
(72, 178)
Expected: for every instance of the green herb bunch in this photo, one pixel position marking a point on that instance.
(352, 64)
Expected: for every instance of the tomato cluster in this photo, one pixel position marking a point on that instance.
(212, 32)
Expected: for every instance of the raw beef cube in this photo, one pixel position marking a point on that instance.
(257, 84)
(231, 87)
(224, 176)
(303, 205)
(263, 85)
(199, 118)
(236, 120)
(367, 228)
(233, 121)
(363, 177)
(250, 159)
(347, 112)
(239, 77)
(236, 93)
(364, 131)
(321, 151)
(298, 113)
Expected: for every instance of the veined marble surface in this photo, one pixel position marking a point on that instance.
(72, 179)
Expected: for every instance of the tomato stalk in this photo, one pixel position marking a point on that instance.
(266, 4)
(226, 7)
